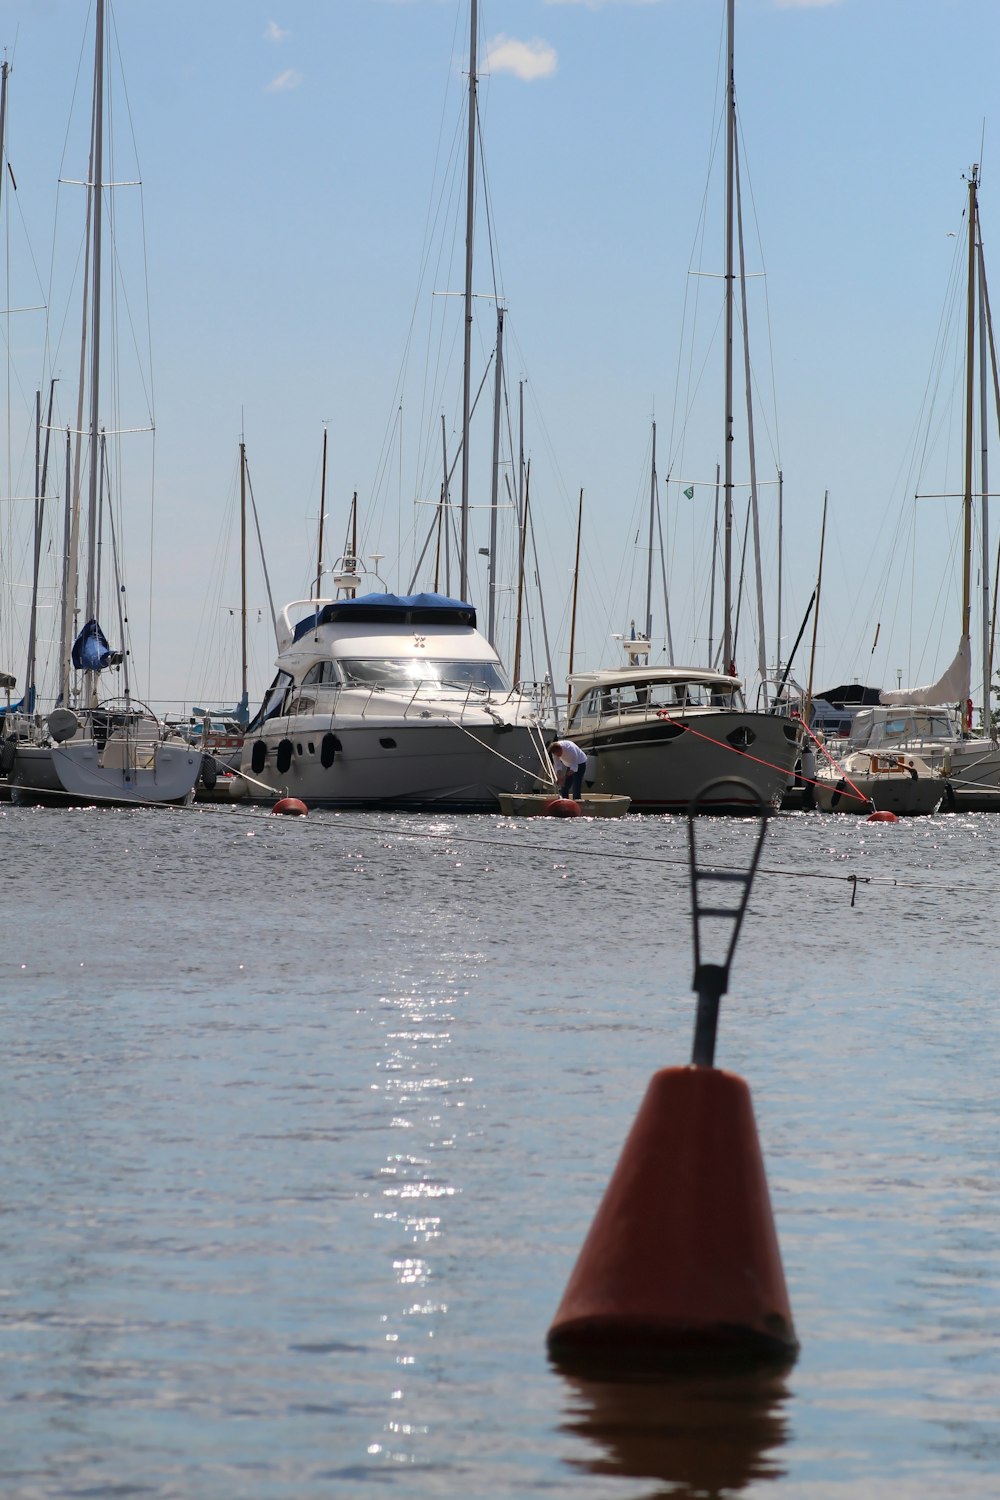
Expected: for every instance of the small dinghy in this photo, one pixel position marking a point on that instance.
(539, 804)
(865, 781)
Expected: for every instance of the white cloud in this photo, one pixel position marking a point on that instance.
(275, 33)
(289, 79)
(526, 60)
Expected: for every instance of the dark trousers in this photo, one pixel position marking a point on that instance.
(573, 785)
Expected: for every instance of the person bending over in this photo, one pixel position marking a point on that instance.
(569, 762)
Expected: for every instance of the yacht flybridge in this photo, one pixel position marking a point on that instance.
(391, 701)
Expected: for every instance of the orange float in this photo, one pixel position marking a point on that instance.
(882, 815)
(682, 1262)
(562, 807)
(290, 807)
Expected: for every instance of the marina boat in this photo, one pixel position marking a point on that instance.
(391, 701)
(933, 732)
(879, 781)
(659, 734)
(539, 805)
(113, 751)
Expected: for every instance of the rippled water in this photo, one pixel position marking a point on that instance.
(304, 1122)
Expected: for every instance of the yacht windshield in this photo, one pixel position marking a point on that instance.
(406, 674)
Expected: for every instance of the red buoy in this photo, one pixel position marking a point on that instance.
(881, 815)
(682, 1261)
(562, 807)
(290, 807)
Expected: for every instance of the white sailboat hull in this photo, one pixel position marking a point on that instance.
(74, 773)
(908, 788)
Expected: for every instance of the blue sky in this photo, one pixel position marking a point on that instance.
(293, 157)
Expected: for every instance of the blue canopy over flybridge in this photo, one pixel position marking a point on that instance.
(391, 609)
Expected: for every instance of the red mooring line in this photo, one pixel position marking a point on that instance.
(808, 780)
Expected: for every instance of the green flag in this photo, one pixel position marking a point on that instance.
(689, 492)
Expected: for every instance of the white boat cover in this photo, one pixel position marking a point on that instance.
(953, 687)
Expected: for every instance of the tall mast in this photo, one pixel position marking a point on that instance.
(649, 559)
(322, 517)
(970, 369)
(727, 627)
(576, 580)
(984, 468)
(494, 493)
(95, 324)
(244, 694)
(470, 207)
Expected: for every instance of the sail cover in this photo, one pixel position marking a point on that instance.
(91, 652)
(953, 687)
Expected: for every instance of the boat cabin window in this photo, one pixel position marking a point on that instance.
(406, 674)
(321, 672)
(275, 696)
(918, 727)
(645, 697)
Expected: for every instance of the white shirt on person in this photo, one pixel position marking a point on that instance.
(569, 755)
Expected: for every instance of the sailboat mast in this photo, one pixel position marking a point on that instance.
(95, 325)
(970, 370)
(649, 558)
(984, 468)
(470, 207)
(576, 581)
(322, 517)
(727, 628)
(244, 694)
(494, 495)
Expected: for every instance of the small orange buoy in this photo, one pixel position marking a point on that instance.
(290, 807)
(881, 815)
(682, 1261)
(562, 807)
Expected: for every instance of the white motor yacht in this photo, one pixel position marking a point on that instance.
(391, 701)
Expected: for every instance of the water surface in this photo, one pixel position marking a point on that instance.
(304, 1122)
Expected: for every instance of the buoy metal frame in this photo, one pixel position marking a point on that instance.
(711, 980)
